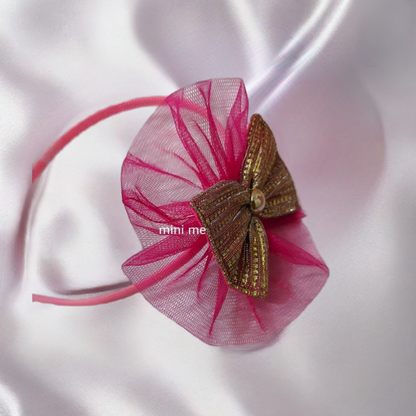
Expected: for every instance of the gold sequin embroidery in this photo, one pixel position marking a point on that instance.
(230, 211)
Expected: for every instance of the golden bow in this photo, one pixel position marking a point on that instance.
(230, 211)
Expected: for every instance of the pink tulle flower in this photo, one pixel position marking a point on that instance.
(196, 138)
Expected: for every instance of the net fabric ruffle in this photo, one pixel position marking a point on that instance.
(194, 139)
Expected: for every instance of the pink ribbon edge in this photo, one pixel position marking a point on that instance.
(40, 165)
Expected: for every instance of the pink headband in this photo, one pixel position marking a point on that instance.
(225, 253)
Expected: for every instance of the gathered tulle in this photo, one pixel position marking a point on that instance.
(195, 138)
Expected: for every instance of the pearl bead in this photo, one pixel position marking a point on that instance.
(258, 201)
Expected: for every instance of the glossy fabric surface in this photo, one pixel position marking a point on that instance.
(335, 80)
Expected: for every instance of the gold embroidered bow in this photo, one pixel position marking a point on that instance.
(230, 211)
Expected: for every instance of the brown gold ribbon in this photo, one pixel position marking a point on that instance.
(230, 211)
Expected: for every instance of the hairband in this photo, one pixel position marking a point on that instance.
(225, 253)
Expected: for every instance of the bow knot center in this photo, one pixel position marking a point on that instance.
(257, 201)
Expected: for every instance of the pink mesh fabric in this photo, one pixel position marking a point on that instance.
(196, 138)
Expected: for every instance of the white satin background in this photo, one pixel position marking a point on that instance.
(341, 103)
